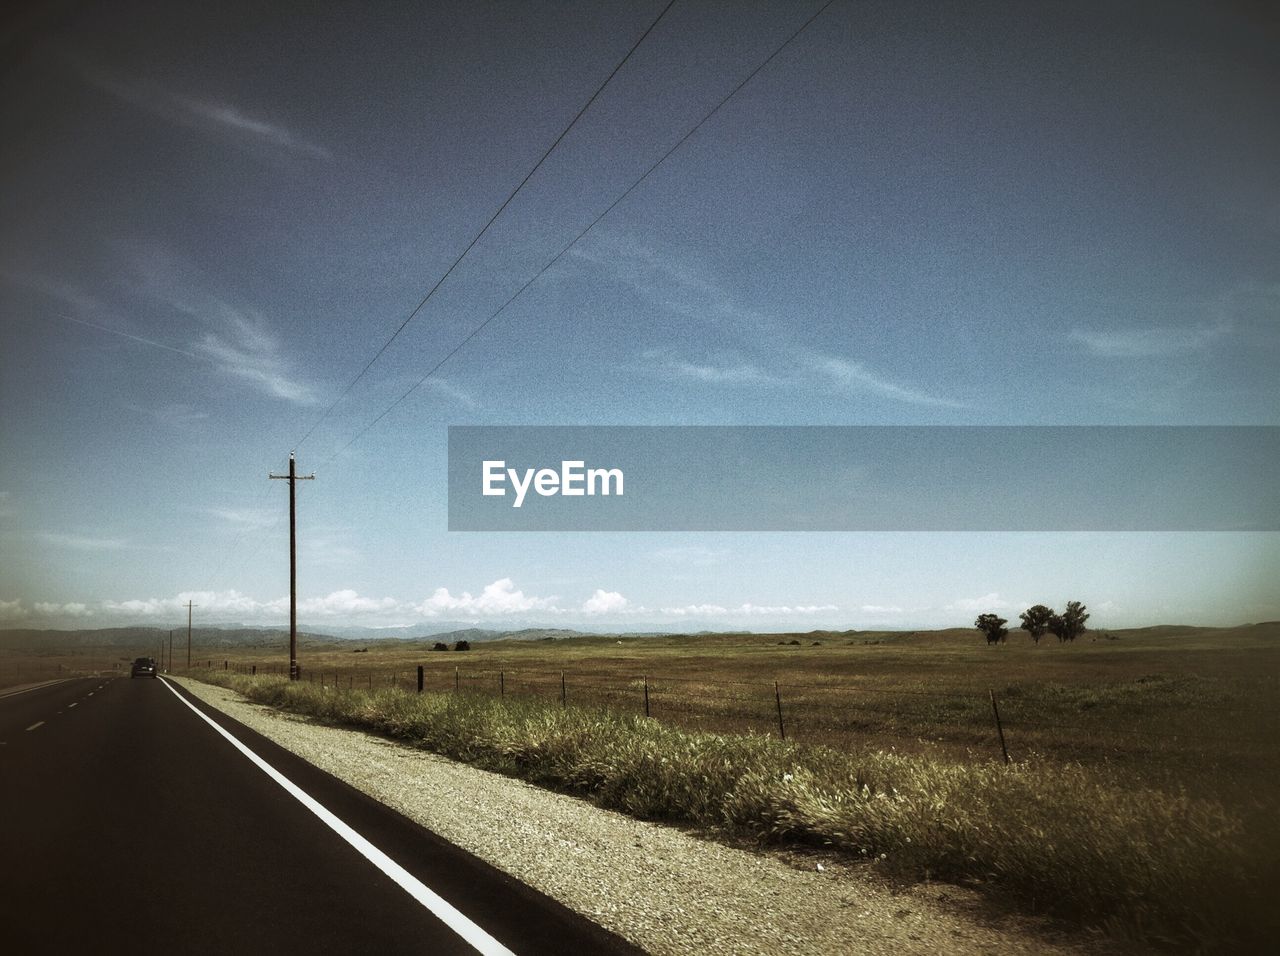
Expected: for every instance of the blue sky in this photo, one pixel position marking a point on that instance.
(212, 217)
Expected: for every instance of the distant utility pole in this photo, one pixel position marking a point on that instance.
(189, 607)
(171, 650)
(293, 564)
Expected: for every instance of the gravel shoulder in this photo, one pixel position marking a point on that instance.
(663, 889)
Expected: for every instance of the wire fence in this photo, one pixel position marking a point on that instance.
(845, 713)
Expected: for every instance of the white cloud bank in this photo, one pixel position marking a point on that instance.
(500, 597)
(500, 604)
(604, 602)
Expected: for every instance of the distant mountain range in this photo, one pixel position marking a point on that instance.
(208, 638)
(242, 636)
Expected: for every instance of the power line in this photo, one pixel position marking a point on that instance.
(478, 236)
(574, 241)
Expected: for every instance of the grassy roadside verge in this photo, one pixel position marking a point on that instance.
(1148, 864)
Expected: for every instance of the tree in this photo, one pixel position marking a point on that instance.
(1058, 627)
(462, 646)
(993, 626)
(1035, 621)
(1073, 619)
(440, 646)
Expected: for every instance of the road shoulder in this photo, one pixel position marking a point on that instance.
(661, 888)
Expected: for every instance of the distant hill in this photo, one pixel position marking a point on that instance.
(136, 639)
(28, 639)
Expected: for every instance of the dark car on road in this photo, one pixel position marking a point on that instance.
(144, 667)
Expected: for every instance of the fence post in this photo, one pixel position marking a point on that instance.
(646, 695)
(562, 690)
(502, 684)
(457, 679)
(224, 665)
(419, 678)
(999, 727)
(253, 670)
(777, 697)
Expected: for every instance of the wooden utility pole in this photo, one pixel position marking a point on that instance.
(171, 650)
(189, 607)
(293, 564)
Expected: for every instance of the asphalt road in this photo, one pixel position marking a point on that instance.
(129, 824)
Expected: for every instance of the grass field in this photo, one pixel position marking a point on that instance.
(1188, 707)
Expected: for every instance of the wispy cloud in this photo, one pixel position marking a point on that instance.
(243, 517)
(227, 117)
(713, 372)
(797, 369)
(447, 389)
(1151, 342)
(246, 348)
(672, 284)
(238, 340)
(75, 542)
(854, 377)
(225, 120)
(678, 286)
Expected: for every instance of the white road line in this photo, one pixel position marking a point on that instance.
(69, 706)
(442, 909)
(38, 723)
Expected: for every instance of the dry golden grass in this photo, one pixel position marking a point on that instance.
(1188, 707)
